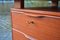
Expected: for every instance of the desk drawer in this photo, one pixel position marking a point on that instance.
(18, 36)
(40, 28)
(44, 28)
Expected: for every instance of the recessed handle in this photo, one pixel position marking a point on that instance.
(35, 16)
(42, 16)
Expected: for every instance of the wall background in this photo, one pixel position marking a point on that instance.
(38, 3)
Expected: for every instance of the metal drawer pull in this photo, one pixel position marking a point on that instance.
(27, 36)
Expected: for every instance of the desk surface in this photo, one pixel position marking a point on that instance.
(36, 13)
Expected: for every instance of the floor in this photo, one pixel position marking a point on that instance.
(5, 27)
(5, 21)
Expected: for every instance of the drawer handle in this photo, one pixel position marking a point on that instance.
(46, 16)
(36, 16)
(40, 16)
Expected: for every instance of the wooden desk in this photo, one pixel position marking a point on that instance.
(35, 25)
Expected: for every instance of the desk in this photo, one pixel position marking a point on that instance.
(35, 25)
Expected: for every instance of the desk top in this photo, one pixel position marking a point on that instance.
(35, 12)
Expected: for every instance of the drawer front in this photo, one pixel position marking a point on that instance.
(46, 28)
(42, 28)
(19, 19)
(18, 36)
